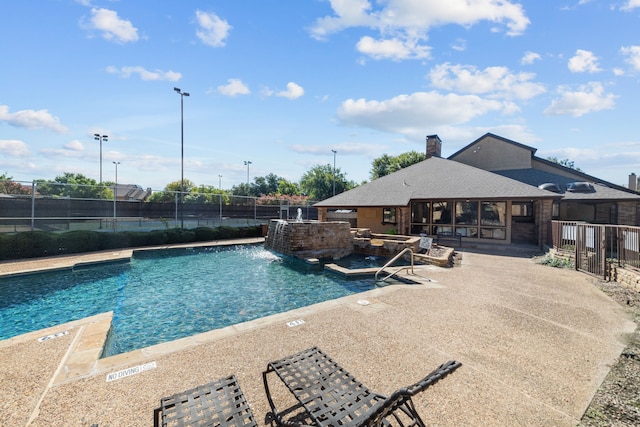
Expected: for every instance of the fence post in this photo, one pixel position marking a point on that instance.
(220, 200)
(33, 205)
(176, 199)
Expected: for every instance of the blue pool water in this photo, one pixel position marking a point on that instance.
(165, 295)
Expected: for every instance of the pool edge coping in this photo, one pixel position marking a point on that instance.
(83, 359)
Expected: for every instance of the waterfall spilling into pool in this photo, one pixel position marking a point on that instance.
(310, 239)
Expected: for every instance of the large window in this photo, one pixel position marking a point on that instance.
(469, 218)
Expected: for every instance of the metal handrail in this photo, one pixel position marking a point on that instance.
(394, 259)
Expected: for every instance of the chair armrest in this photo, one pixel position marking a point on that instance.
(436, 375)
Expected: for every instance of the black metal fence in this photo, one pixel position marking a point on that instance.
(32, 210)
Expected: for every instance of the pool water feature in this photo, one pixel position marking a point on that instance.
(164, 295)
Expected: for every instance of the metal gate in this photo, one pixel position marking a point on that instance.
(591, 249)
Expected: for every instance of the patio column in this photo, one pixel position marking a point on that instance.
(322, 214)
(404, 220)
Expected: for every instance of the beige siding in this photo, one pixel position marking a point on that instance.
(493, 154)
(371, 218)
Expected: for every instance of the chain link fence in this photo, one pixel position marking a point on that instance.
(54, 207)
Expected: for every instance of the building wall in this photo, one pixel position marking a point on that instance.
(628, 213)
(493, 154)
(536, 164)
(371, 218)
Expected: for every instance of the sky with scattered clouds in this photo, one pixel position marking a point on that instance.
(283, 84)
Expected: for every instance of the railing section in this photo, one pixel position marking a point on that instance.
(596, 245)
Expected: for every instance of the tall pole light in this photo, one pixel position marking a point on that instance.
(247, 163)
(100, 138)
(115, 194)
(334, 171)
(182, 95)
(219, 182)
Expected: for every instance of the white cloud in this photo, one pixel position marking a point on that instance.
(234, 87)
(587, 99)
(74, 145)
(460, 45)
(632, 54)
(293, 91)
(630, 5)
(13, 148)
(584, 61)
(144, 74)
(404, 24)
(213, 31)
(498, 82)
(412, 114)
(393, 48)
(530, 58)
(113, 28)
(31, 119)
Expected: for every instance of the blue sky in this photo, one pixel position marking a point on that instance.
(282, 83)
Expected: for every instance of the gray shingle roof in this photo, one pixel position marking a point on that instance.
(536, 177)
(435, 178)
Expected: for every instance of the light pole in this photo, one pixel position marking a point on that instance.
(219, 182)
(247, 163)
(100, 138)
(334, 171)
(182, 95)
(115, 195)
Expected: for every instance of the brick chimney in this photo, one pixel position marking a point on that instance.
(434, 146)
(633, 182)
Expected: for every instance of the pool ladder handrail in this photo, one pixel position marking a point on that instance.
(394, 259)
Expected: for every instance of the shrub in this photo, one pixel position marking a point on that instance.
(555, 262)
(33, 244)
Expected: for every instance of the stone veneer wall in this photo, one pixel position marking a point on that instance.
(626, 277)
(310, 239)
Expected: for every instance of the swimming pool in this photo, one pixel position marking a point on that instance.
(168, 294)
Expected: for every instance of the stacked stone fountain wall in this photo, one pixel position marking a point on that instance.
(310, 239)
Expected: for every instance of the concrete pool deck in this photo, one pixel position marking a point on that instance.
(535, 343)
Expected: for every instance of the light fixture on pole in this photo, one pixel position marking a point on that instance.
(182, 95)
(100, 138)
(219, 182)
(334, 171)
(247, 163)
(115, 194)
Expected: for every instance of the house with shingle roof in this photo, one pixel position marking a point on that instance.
(493, 190)
(584, 197)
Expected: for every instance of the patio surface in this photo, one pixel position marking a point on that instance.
(535, 343)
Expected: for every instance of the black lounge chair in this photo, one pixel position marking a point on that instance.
(328, 395)
(218, 403)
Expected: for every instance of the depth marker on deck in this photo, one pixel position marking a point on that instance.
(295, 323)
(52, 336)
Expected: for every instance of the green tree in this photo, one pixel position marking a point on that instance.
(9, 186)
(287, 187)
(265, 185)
(386, 164)
(168, 195)
(206, 194)
(317, 183)
(75, 186)
(564, 162)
